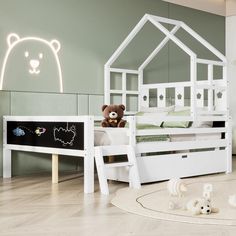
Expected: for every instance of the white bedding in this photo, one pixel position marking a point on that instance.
(110, 136)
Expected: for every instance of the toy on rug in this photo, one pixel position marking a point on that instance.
(201, 206)
(207, 190)
(232, 200)
(174, 205)
(176, 187)
(113, 116)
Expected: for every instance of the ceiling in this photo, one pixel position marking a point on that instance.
(219, 7)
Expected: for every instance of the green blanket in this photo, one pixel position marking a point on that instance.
(150, 138)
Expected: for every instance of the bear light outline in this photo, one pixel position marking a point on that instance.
(14, 39)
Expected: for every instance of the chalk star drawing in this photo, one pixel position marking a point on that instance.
(65, 136)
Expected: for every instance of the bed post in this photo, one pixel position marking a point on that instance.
(193, 78)
(228, 122)
(107, 99)
(132, 130)
(89, 154)
(229, 145)
(140, 83)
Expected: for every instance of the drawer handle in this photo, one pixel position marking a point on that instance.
(185, 156)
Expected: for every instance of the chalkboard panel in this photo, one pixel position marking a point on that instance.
(67, 135)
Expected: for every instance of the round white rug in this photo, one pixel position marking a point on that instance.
(153, 201)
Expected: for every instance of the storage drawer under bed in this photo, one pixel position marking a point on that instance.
(163, 167)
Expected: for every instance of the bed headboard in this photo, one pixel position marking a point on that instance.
(210, 93)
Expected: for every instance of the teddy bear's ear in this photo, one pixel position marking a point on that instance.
(104, 107)
(196, 211)
(214, 210)
(122, 106)
(56, 45)
(12, 38)
(195, 203)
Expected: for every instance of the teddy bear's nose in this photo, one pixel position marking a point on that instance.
(34, 63)
(208, 211)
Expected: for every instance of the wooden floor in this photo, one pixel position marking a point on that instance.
(31, 205)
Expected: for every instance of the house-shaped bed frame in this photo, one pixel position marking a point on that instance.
(191, 157)
(220, 87)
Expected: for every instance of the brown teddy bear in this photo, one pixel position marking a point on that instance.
(113, 116)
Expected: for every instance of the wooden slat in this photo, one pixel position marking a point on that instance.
(200, 97)
(171, 131)
(179, 96)
(211, 62)
(118, 70)
(114, 150)
(175, 146)
(161, 97)
(118, 164)
(167, 85)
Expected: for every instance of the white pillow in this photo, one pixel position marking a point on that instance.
(157, 109)
(197, 124)
(157, 117)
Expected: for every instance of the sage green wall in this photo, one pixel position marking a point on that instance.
(89, 32)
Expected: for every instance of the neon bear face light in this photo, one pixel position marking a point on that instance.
(33, 60)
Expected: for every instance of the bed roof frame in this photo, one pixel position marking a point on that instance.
(169, 35)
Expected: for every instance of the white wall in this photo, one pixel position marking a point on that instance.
(230, 7)
(231, 56)
(212, 6)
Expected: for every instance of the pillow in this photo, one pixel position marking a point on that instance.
(197, 124)
(157, 117)
(157, 109)
(177, 124)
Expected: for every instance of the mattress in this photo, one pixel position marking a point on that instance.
(112, 136)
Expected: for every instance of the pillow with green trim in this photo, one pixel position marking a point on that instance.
(177, 124)
(157, 117)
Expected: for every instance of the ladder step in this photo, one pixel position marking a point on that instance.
(118, 164)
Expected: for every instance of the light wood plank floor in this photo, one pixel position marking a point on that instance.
(31, 205)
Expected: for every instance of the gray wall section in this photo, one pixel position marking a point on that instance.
(89, 32)
(43, 104)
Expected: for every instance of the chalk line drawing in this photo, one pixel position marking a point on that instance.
(18, 132)
(40, 130)
(66, 135)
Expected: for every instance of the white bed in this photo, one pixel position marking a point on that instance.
(189, 151)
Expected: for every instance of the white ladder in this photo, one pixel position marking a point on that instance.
(100, 151)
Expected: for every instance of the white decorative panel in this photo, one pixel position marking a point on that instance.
(179, 96)
(161, 97)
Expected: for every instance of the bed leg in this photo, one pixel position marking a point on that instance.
(229, 146)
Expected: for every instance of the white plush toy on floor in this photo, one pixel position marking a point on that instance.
(201, 206)
(176, 187)
(232, 200)
(207, 191)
